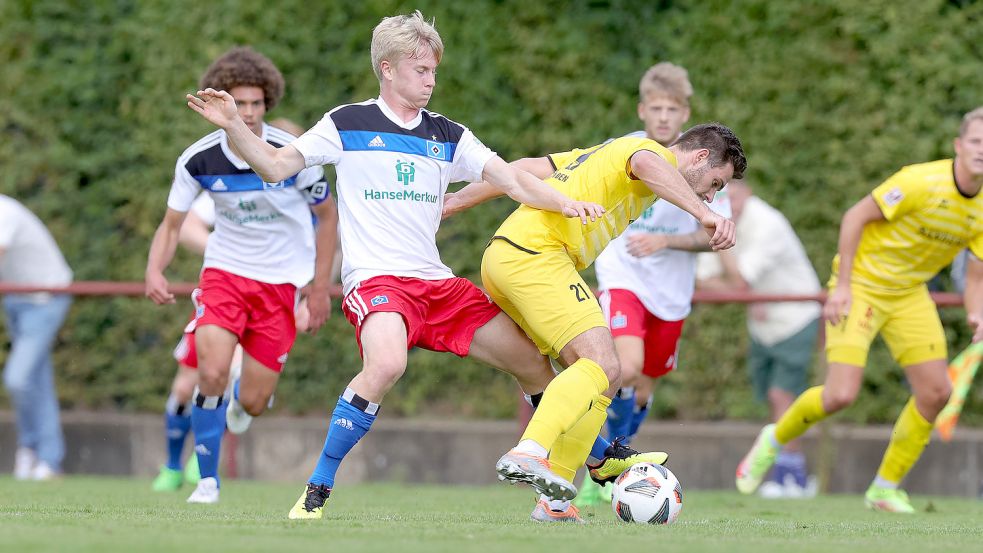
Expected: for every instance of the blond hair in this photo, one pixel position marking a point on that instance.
(666, 79)
(975, 115)
(402, 36)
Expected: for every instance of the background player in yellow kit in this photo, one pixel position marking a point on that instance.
(891, 243)
(530, 270)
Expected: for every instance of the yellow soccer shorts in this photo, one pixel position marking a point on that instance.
(542, 292)
(907, 320)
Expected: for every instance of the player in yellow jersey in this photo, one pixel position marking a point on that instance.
(891, 243)
(530, 270)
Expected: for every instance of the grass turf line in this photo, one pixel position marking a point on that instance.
(106, 515)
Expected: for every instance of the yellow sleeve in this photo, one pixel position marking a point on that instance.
(562, 159)
(899, 195)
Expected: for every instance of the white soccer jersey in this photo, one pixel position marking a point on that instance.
(204, 208)
(663, 281)
(392, 177)
(263, 231)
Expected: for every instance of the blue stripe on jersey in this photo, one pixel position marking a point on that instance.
(241, 182)
(392, 142)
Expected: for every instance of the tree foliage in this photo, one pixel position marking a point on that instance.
(829, 97)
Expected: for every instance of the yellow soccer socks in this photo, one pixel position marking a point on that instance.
(570, 450)
(804, 412)
(566, 400)
(910, 436)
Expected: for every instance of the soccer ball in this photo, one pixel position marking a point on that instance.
(647, 493)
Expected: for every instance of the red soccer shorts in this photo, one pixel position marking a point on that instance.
(259, 313)
(440, 315)
(627, 316)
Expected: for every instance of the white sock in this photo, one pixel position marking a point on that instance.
(531, 447)
(882, 483)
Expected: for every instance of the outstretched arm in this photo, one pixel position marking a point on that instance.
(647, 243)
(272, 164)
(668, 184)
(480, 192)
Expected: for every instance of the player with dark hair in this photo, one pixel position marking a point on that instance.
(263, 250)
(530, 268)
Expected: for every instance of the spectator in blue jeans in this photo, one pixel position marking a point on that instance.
(29, 256)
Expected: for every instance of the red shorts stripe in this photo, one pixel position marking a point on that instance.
(627, 316)
(440, 315)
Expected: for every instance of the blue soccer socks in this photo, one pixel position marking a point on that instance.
(352, 418)
(177, 424)
(208, 424)
(620, 414)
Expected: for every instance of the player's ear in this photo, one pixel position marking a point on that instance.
(641, 111)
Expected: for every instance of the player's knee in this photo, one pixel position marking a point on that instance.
(836, 399)
(211, 379)
(385, 373)
(936, 397)
(254, 404)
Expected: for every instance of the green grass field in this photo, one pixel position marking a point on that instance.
(108, 515)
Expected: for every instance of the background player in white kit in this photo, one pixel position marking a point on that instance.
(647, 275)
(262, 250)
(394, 161)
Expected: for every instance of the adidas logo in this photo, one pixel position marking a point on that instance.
(377, 142)
(200, 449)
(345, 423)
(219, 186)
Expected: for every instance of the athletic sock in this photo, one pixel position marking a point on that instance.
(567, 398)
(177, 424)
(352, 418)
(909, 438)
(790, 463)
(804, 412)
(638, 415)
(620, 414)
(571, 449)
(208, 424)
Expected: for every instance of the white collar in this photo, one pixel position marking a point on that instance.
(411, 124)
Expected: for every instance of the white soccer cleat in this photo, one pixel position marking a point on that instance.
(43, 472)
(25, 460)
(206, 492)
(516, 466)
(237, 420)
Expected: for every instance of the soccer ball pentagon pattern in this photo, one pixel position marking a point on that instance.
(647, 493)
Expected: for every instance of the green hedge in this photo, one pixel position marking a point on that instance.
(829, 98)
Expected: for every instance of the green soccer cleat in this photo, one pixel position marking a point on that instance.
(310, 505)
(889, 500)
(169, 480)
(191, 473)
(756, 464)
(618, 458)
(591, 494)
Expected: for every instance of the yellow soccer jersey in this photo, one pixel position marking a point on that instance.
(928, 221)
(599, 174)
